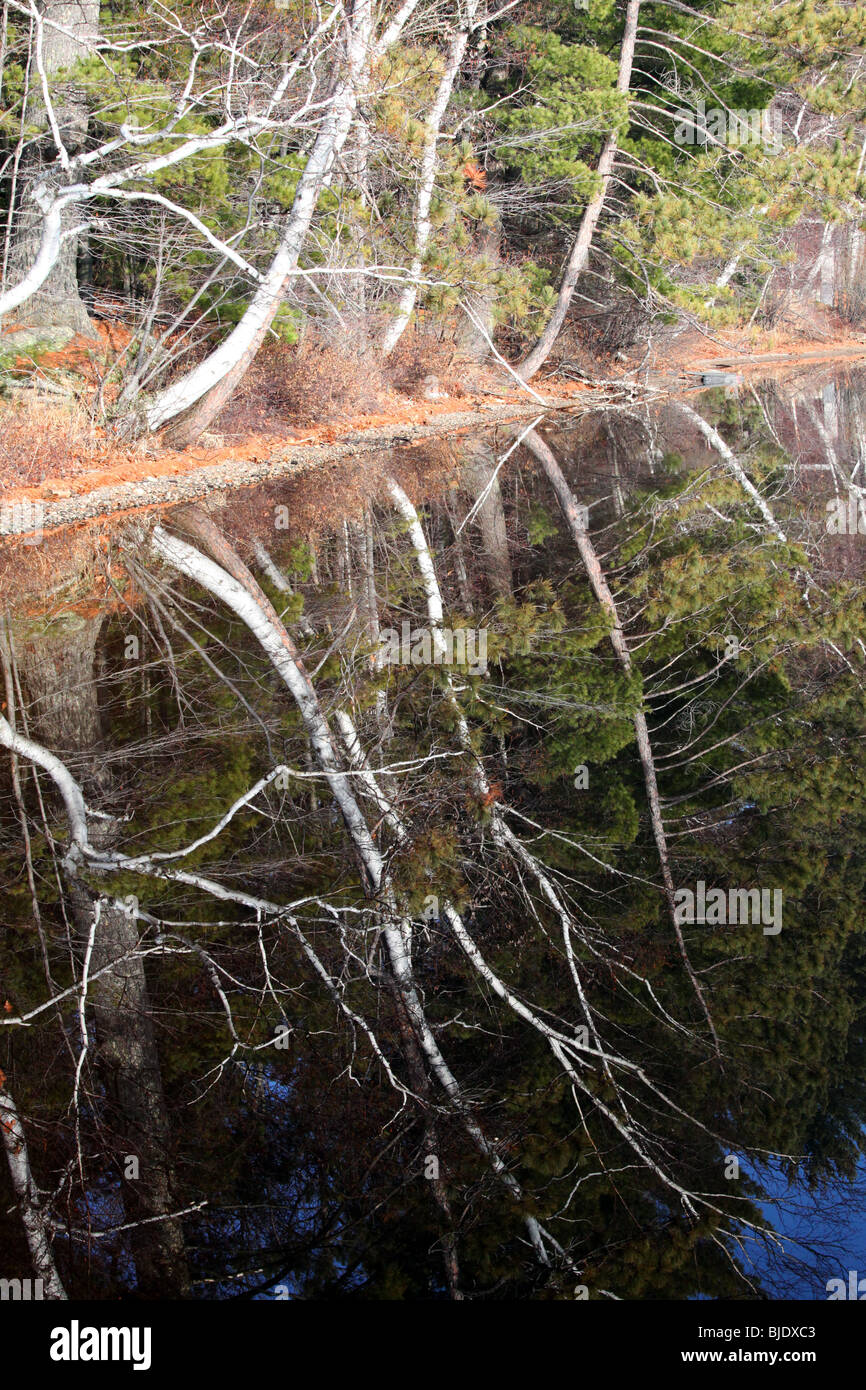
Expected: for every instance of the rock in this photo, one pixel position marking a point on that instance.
(34, 340)
(720, 379)
(431, 390)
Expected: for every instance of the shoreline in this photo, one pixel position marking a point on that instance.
(246, 467)
(158, 482)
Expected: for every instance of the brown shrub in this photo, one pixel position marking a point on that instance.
(307, 384)
(317, 382)
(40, 439)
(419, 355)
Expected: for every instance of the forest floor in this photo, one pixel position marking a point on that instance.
(52, 456)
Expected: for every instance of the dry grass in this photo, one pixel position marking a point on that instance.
(40, 439)
(308, 384)
(319, 382)
(419, 355)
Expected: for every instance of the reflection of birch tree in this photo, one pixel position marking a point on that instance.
(59, 672)
(386, 934)
(27, 1195)
(602, 592)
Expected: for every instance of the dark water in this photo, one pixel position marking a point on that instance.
(669, 1082)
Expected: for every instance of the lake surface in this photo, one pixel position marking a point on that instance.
(513, 947)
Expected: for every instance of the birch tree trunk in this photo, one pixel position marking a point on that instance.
(563, 1047)
(236, 587)
(579, 257)
(714, 439)
(32, 1215)
(423, 224)
(271, 569)
(186, 407)
(56, 309)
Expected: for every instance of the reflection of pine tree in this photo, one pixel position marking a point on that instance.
(312, 1167)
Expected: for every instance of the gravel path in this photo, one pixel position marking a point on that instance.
(147, 492)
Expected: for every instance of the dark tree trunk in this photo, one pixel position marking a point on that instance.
(471, 340)
(58, 670)
(135, 1103)
(480, 474)
(58, 664)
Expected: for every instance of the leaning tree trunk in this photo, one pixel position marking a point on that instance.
(14, 1142)
(227, 578)
(601, 589)
(592, 212)
(480, 473)
(58, 671)
(429, 165)
(56, 311)
(187, 407)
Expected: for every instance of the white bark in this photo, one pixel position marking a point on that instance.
(280, 650)
(367, 777)
(59, 773)
(713, 438)
(53, 206)
(72, 35)
(269, 568)
(423, 225)
(854, 492)
(601, 589)
(583, 242)
(394, 29)
(567, 1050)
(728, 273)
(189, 389)
(236, 350)
(272, 571)
(49, 250)
(396, 930)
(724, 279)
(24, 1185)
